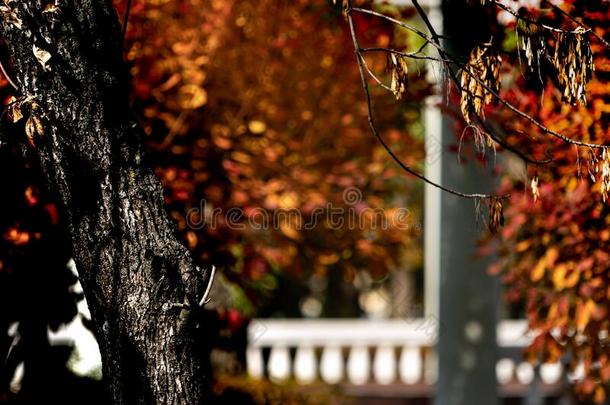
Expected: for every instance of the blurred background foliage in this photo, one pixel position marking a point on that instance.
(265, 114)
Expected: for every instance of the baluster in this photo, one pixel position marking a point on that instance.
(305, 365)
(331, 365)
(358, 365)
(384, 367)
(525, 372)
(505, 371)
(279, 364)
(550, 373)
(254, 362)
(410, 365)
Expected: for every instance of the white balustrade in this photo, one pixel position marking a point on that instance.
(384, 367)
(254, 362)
(410, 365)
(331, 364)
(372, 351)
(279, 364)
(305, 367)
(525, 372)
(359, 365)
(505, 370)
(551, 373)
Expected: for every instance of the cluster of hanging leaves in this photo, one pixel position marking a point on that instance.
(481, 73)
(531, 41)
(399, 71)
(555, 244)
(574, 62)
(496, 214)
(286, 133)
(571, 56)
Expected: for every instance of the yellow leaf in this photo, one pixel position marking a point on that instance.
(552, 314)
(33, 129)
(191, 97)
(15, 110)
(523, 245)
(551, 256)
(538, 271)
(329, 259)
(583, 313)
(289, 231)
(257, 127)
(571, 280)
(559, 274)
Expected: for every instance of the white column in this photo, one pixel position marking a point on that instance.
(433, 123)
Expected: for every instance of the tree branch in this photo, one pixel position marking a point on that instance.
(373, 126)
(126, 19)
(434, 40)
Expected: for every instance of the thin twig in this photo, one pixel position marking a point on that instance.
(392, 20)
(374, 77)
(511, 148)
(412, 55)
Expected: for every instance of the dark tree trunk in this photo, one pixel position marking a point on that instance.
(132, 267)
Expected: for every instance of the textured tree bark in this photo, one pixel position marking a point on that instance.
(132, 267)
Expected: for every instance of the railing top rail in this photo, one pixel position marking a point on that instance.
(417, 332)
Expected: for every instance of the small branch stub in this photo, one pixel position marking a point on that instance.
(204, 299)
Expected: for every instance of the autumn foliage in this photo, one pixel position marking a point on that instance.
(555, 243)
